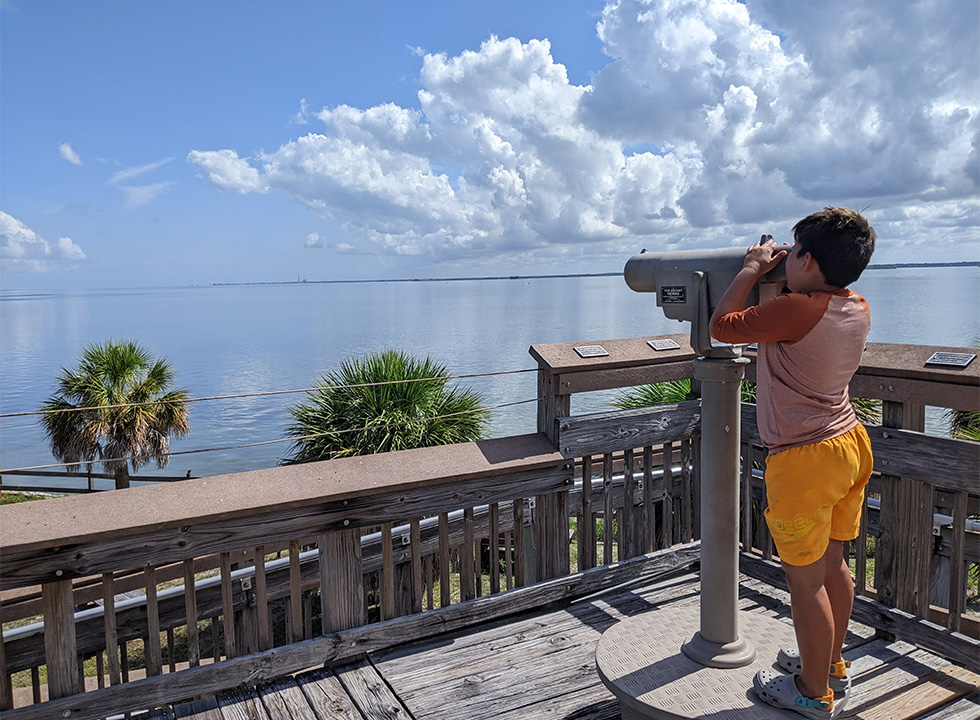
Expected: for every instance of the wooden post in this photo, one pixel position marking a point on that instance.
(341, 586)
(59, 639)
(905, 540)
(550, 517)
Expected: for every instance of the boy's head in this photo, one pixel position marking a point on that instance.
(840, 240)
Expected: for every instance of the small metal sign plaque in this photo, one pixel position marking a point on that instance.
(951, 359)
(659, 345)
(588, 351)
(673, 295)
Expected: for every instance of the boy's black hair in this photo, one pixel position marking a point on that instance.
(840, 240)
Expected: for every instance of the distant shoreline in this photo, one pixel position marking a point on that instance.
(886, 266)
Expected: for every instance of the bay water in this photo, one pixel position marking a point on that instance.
(248, 339)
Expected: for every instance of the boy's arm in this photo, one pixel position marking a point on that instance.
(759, 259)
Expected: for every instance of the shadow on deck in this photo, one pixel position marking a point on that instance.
(541, 666)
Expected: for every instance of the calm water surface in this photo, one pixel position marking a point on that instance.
(246, 339)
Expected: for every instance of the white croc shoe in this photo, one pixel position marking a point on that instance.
(788, 658)
(780, 691)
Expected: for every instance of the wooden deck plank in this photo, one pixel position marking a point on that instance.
(966, 708)
(284, 700)
(327, 696)
(241, 704)
(201, 709)
(938, 691)
(370, 692)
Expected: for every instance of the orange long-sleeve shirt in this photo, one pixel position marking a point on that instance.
(810, 345)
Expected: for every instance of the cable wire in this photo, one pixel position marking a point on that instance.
(272, 442)
(263, 394)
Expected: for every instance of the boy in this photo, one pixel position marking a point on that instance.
(810, 344)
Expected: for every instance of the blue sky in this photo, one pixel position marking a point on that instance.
(176, 143)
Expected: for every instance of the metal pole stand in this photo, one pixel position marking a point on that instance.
(718, 643)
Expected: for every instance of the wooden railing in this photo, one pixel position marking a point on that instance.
(245, 577)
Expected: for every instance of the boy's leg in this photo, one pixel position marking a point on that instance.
(821, 597)
(840, 591)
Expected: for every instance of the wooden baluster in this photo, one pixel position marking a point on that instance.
(747, 453)
(6, 685)
(607, 510)
(387, 574)
(36, 684)
(519, 575)
(228, 606)
(509, 558)
(341, 580)
(190, 612)
(109, 622)
(494, 537)
(467, 589)
(444, 587)
(861, 554)
(262, 600)
(957, 561)
(59, 638)
(627, 526)
(415, 531)
(668, 513)
(154, 656)
(905, 538)
(687, 506)
(649, 510)
(295, 613)
(586, 526)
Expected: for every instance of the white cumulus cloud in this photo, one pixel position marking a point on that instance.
(67, 153)
(22, 248)
(713, 117)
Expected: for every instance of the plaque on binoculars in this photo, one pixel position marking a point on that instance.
(588, 351)
(950, 359)
(659, 345)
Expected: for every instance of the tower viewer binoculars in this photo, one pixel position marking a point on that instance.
(690, 283)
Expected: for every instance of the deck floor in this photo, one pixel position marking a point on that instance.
(541, 666)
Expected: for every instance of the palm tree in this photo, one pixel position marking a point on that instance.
(383, 401)
(116, 407)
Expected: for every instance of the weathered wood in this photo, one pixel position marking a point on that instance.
(551, 403)
(627, 429)
(343, 589)
(59, 639)
(607, 509)
(201, 709)
(443, 478)
(154, 660)
(109, 623)
(494, 548)
(284, 699)
(936, 690)
(467, 588)
(444, 594)
(327, 696)
(954, 646)
(415, 533)
(241, 704)
(519, 574)
(387, 574)
(948, 464)
(339, 646)
(227, 607)
(957, 564)
(262, 600)
(370, 693)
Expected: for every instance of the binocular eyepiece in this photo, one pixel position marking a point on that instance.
(690, 283)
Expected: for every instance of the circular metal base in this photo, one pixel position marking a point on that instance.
(719, 655)
(640, 660)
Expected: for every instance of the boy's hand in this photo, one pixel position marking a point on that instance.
(763, 256)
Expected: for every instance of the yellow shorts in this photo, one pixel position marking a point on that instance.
(816, 494)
